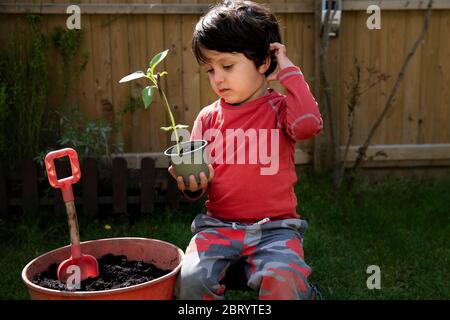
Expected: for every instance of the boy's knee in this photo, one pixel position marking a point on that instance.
(193, 284)
(284, 285)
(190, 276)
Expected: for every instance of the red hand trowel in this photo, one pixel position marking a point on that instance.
(88, 265)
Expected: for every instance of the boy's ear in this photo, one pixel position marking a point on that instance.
(265, 65)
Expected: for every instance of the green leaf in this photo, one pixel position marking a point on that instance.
(133, 76)
(157, 59)
(166, 128)
(147, 95)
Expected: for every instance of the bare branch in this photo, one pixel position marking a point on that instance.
(363, 149)
(351, 109)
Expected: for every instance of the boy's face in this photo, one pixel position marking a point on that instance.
(234, 77)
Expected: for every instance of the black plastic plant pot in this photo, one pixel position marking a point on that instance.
(190, 160)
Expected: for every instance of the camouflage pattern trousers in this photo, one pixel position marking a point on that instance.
(272, 250)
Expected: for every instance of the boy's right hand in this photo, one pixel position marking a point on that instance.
(193, 185)
(279, 51)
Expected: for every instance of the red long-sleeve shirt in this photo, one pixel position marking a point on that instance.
(255, 186)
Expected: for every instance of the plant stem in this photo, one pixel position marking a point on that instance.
(172, 120)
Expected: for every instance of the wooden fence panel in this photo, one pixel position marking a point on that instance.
(190, 73)
(411, 116)
(418, 103)
(55, 62)
(86, 84)
(89, 181)
(173, 64)
(396, 40)
(119, 68)
(139, 57)
(101, 57)
(121, 43)
(444, 79)
(157, 115)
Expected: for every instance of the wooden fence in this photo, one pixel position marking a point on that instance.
(117, 190)
(121, 36)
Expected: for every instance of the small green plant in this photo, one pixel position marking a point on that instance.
(148, 92)
(90, 137)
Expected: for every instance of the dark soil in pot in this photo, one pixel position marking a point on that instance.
(114, 272)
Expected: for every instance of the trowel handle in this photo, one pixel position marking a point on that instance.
(66, 183)
(73, 228)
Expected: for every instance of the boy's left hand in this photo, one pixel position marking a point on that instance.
(282, 59)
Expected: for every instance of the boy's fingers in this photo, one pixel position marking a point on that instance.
(180, 183)
(272, 77)
(275, 46)
(172, 172)
(278, 48)
(211, 172)
(203, 180)
(193, 185)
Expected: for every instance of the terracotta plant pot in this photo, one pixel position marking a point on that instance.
(162, 254)
(190, 160)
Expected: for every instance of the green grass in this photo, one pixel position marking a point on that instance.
(401, 226)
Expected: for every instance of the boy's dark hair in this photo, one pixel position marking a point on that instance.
(237, 26)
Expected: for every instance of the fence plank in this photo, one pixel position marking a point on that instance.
(362, 123)
(120, 68)
(374, 94)
(394, 4)
(174, 81)
(444, 81)
(101, 59)
(135, 8)
(119, 182)
(429, 93)
(3, 194)
(396, 41)
(157, 116)
(440, 105)
(190, 72)
(138, 60)
(86, 84)
(55, 66)
(89, 181)
(207, 95)
(30, 197)
(148, 174)
(412, 80)
(348, 66)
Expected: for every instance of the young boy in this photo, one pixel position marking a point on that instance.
(251, 212)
